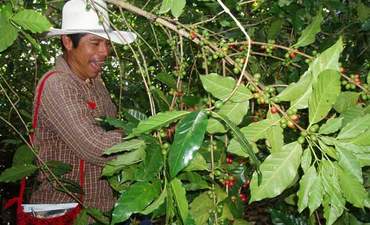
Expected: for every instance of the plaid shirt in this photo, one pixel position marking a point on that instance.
(67, 132)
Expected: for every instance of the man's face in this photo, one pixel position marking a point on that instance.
(88, 58)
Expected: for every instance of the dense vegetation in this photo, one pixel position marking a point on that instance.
(235, 111)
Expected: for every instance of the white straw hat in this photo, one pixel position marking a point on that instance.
(79, 18)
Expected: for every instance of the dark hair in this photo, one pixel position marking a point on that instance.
(75, 39)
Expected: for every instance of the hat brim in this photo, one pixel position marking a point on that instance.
(119, 37)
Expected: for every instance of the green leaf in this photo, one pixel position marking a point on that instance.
(194, 181)
(178, 7)
(180, 198)
(275, 135)
(325, 92)
(241, 222)
(158, 121)
(7, 31)
(199, 208)
(246, 147)
(315, 195)
(133, 200)
(306, 159)
(348, 161)
(197, 163)
(346, 100)
(125, 146)
(274, 29)
(23, 155)
(235, 111)
(97, 215)
(258, 130)
(137, 114)
(32, 20)
(235, 148)
(355, 127)
(309, 33)
(278, 172)
(59, 168)
(82, 218)
(363, 11)
(352, 189)
(215, 126)
(363, 139)
(157, 203)
(351, 114)
(166, 6)
(305, 186)
(299, 93)
(332, 125)
(188, 138)
(221, 87)
(153, 162)
(167, 79)
(16, 173)
(333, 201)
(122, 161)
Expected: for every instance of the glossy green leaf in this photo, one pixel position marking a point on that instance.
(331, 125)
(246, 147)
(310, 32)
(178, 7)
(158, 121)
(197, 163)
(275, 135)
(7, 31)
(199, 208)
(221, 87)
(348, 161)
(333, 201)
(16, 173)
(324, 94)
(346, 100)
(188, 138)
(355, 127)
(352, 189)
(153, 162)
(23, 155)
(166, 6)
(278, 172)
(306, 159)
(157, 203)
(125, 146)
(122, 161)
(133, 200)
(305, 186)
(180, 197)
(32, 20)
(363, 139)
(214, 126)
(194, 181)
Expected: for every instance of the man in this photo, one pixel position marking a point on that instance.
(72, 97)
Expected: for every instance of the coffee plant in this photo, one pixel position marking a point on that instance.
(226, 106)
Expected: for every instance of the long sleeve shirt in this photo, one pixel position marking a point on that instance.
(67, 131)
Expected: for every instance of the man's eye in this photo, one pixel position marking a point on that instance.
(95, 43)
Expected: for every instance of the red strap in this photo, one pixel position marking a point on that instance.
(39, 91)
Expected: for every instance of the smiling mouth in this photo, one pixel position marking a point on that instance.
(97, 65)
